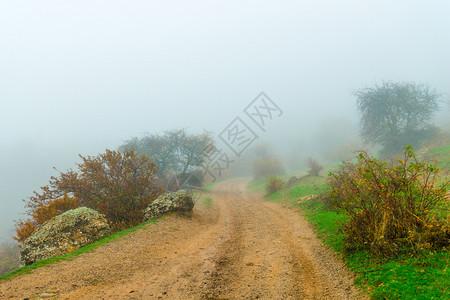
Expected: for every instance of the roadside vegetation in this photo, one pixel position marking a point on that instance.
(392, 207)
(388, 221)
(117, 185)
(274, 184)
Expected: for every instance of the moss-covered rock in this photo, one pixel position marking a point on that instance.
(64, 234)
(177, 201)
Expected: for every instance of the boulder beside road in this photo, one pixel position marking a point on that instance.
(178, 201)
(63, 234)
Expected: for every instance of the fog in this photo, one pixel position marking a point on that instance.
(77, 77)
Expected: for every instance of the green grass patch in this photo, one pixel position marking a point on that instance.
(72, 255)
(278, 196)
(297, 174)
(421, 276)
(327, 223)
(209, 187)
(207, 201)
(307, 186)
(257, 186)
(442, 154)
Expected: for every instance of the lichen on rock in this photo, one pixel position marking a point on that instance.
(171, 202)
(64, 234)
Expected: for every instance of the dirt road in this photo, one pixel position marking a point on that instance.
(240, 248)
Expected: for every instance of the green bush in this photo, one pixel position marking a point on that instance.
(390, 205)
(274, 184)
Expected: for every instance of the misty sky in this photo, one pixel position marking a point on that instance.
(77, 77)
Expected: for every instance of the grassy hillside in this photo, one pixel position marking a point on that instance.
(442, 154)
(423, 275)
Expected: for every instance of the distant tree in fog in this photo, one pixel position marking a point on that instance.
(314, 166)
(9, 257)
(394, 114)
(175, 151)
(266, 163)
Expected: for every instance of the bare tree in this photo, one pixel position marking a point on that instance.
(394, 114)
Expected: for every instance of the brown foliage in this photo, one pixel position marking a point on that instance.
(42, 213)
(24, 228)
(118, 185)
(54, 208)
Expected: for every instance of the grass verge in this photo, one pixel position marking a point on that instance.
(257, 186)
(207, 202)
(420, 276)
(209, 187)
(442, 155)
(72, 255)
